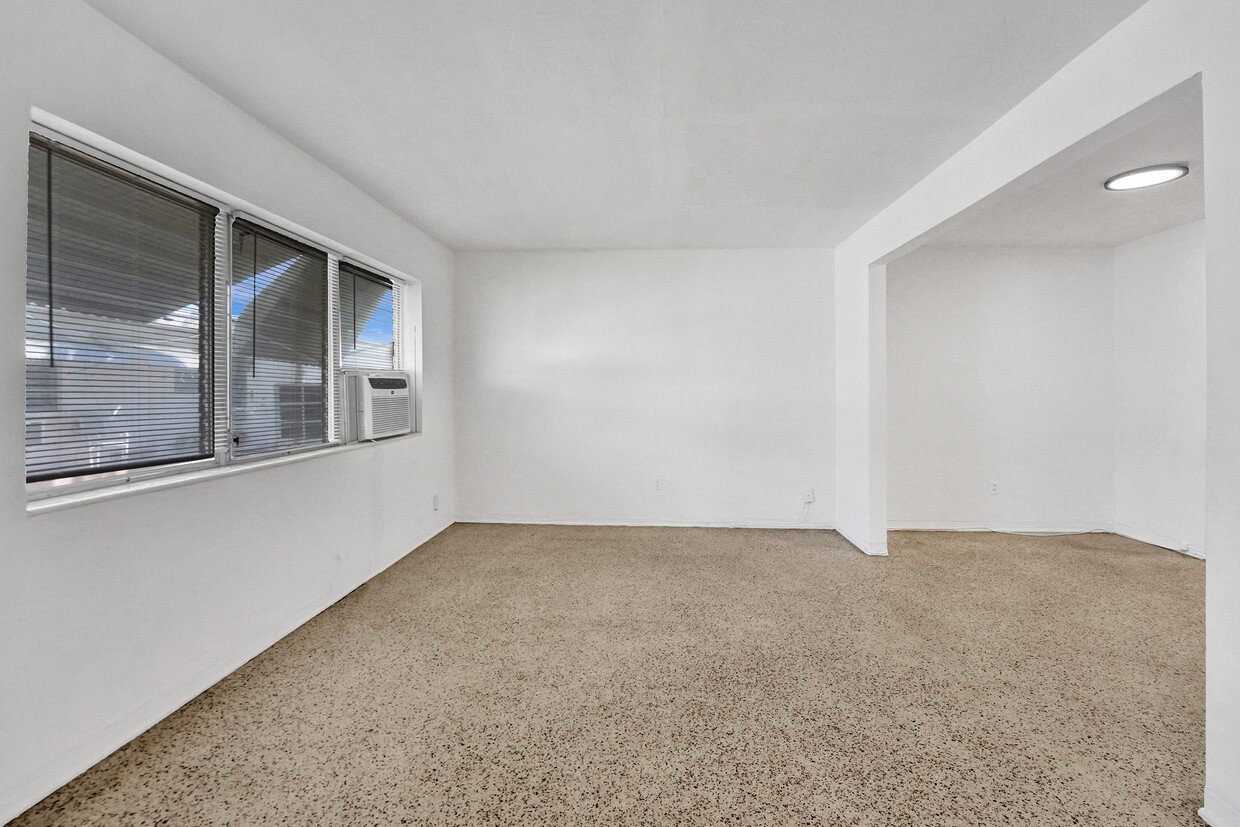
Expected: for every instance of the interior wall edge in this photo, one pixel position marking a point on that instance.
(48, 778)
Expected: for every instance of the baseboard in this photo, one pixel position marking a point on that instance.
(1217, 812)
(1153, 539)
(1006, 526)
(606, 521)
(54, 775)
(869, 549)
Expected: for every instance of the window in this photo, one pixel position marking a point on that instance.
(279, 342)
(143, 357)
(118, 346)
(301, 413)
(366, 320)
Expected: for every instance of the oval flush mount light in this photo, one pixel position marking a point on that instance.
(1136, 179)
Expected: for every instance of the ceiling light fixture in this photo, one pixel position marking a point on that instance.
(1136, 179)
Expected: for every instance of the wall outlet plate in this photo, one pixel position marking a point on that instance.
(807, 496)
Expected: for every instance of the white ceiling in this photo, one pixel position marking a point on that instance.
(1062, 203)
(521, 124)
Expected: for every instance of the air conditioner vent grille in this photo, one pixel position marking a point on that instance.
(390, 415)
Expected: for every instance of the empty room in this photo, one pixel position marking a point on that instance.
(620, 412)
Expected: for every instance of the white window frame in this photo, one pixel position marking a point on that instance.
(406, 296)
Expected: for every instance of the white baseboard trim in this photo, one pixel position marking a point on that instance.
(868, 549)
(1004, 526)
(1153, 539)
(603, 521)
(1034, 527)
(52, 776)
(1217, 812)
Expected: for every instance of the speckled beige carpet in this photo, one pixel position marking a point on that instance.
(556, 675)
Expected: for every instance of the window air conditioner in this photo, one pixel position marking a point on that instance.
(378, 404)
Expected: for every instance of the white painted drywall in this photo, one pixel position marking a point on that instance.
(1160, 388)
(114, 614)
(584, 377)
(1219, 22)
(1000, 372)
(1161, 45)
(860, 401)
(1073, 379)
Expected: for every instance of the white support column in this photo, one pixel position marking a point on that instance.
(1221, 102)
(861, 402)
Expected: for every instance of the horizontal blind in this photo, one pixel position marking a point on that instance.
(222, 278)
(336, 389)
(366, 319)
(279, 342)
(118, 319)
(398, 326)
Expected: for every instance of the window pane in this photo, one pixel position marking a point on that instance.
(279, 342)
(366, 320)
(118, 361)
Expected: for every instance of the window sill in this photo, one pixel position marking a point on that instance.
(126, 489)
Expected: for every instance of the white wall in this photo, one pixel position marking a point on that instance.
(1000, 371)
(1160, 388)
(116, 613)
(860, 400)
(581, 378)
(1220, 32)
(1074, 379)
(1164, 43)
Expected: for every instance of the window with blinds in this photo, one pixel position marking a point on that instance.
(367, 328)
(279, 342)
(119, 289)
(166, 334)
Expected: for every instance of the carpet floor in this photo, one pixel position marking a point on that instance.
(505, 675)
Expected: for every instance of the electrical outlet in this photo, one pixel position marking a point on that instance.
(436, 501)
(994, 489)
(658, 483)
(807, 496)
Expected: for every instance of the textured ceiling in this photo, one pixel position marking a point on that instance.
(522, 124)
(1062, 203)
